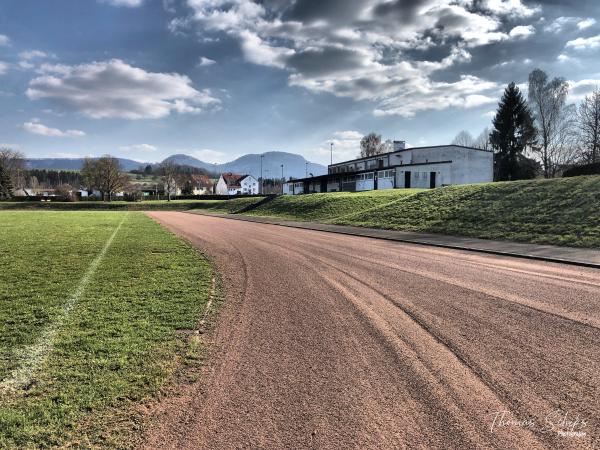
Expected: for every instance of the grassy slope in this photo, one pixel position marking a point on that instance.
(560, 211)
(148, 205)
(321, 207)
(118, 344)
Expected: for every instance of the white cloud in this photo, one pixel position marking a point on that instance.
(206, 62)
(579, 89)
(43, 130)
(138, 148)
(114, 89)
(366, 51)
(563, 57)
(211, 156)
(560, 23)
(346, 145)
(586, 23)
(4, 40)
(259, 52)
(522, 31)
(33, 54)
(585, 43)
(128, 3)
(26, 65)
(513, 8)
(489, 114)
(3, 68)
(28, 57)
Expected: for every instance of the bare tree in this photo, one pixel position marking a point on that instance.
(13, 163)
(65, 190)
(483, 140)
(370, 145)
(90, 175)
(110, 177)
(170, 172)
(553, 121)
(588, 121)
(464, 138)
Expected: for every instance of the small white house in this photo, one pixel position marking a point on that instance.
(201, 185)
(234, 184)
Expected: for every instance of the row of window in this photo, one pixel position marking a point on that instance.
(370, 164)
(386, 174)
(423, 175)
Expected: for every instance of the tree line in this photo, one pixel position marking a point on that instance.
(540, 134)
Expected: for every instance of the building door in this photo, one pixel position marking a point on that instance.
(432, 180)
(324, 185)
(407, 179)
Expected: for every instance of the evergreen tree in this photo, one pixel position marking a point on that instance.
(6, 189)
(513, 132)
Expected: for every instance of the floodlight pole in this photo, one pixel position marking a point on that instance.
(331, 149)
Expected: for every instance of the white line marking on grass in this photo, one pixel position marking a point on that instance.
(34, 355)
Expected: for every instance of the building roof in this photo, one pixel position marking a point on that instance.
(201, 180)
(233, 180)
(406, 150)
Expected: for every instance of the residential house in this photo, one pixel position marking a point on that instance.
(234, 184)
(200, 185)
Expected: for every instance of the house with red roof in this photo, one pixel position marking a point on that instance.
(235, 184)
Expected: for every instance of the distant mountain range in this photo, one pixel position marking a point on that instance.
(74, 163)
(293, 165)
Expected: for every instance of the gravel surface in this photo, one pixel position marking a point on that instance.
(334, 341)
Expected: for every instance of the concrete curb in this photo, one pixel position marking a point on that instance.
(379, 234)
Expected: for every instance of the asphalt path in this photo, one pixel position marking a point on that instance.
(334, 341)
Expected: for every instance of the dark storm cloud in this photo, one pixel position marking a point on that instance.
(331, 10)
(402, 11)
(324, 61)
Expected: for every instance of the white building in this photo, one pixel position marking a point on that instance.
(234, 184)
(419, 167)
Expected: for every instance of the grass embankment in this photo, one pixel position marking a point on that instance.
(118, 343)
(148, 205)
(321, 207)
(563, 211)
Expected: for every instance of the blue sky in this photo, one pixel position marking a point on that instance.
(216, 79)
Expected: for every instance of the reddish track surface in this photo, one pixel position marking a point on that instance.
(334, 341)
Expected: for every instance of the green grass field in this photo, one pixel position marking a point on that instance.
(75, 358)
(147, 205)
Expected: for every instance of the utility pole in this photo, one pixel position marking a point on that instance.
(261, 173)
(282, 179)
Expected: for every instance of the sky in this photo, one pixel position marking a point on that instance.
(216, 79)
